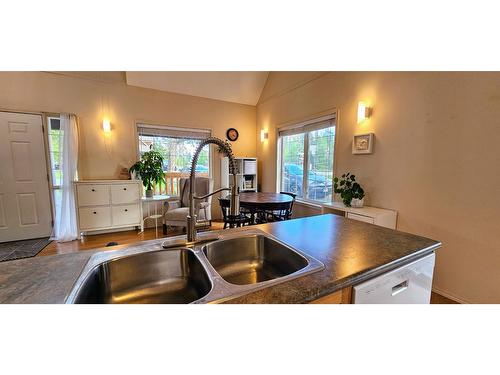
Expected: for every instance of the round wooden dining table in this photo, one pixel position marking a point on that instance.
(263, 199)
(260, 201)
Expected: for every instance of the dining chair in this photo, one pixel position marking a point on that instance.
(291, 205)
(279, 212)
(232, 221)
(275, 212)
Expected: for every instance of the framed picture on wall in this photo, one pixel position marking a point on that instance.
(362, 144)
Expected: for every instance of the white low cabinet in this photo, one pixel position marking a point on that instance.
(373, 215)
(107, 205)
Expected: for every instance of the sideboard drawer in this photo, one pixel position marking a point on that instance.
(126, 215)
(125, 193)
(357, 217)
(92, 195)
(94, 217)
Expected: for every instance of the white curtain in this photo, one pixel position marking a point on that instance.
(65, 226)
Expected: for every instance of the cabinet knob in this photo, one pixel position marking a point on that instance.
(95, 213)
(93, 189)
(126, 210)
(124, 188)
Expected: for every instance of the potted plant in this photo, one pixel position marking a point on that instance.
(350, 191)
(150, 170)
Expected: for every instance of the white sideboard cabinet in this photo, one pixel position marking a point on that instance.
(107, 205)
(373, 215)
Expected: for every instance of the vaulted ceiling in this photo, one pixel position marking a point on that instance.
(236, 87)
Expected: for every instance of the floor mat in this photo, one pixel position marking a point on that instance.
(22, 249)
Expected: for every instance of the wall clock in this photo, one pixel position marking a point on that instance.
(232, 134)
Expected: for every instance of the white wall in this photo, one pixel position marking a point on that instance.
(94, 95)
(436, 157)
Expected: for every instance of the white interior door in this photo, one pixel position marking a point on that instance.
(25, 209)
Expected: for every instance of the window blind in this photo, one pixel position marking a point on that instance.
(166, 131)
(308, 126)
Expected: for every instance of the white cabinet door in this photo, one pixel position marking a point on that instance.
(94, 217)
(125, 193)
(126, 215)
(25, 209)
(92, 194)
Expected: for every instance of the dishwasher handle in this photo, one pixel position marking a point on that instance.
(401, 287)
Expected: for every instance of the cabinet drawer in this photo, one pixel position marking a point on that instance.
(92, 195)
(357, 217)
(249, 167)
(126, 215)
(94, 217)
(125, 193)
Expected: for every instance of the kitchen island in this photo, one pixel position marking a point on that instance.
(351, 252)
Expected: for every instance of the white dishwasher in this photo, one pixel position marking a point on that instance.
(411, 283)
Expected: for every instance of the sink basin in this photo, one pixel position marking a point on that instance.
(253, 259)
(165, 276)
(208, 272)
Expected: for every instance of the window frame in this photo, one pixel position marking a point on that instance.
(52, 186)
(147, 124)
(332, 116)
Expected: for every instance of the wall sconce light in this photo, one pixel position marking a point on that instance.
(264, 135)
(364, 112)
(106, 125)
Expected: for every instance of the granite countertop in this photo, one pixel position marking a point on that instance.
(351, 251)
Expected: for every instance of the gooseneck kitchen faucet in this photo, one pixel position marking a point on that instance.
(234, 205)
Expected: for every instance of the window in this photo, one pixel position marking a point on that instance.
(306, 154)
(55, 135)
(177, 145)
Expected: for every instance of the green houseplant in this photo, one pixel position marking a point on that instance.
(150, 170)
(350, 191)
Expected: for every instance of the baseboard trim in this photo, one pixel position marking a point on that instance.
(104, 231)
(450, 296)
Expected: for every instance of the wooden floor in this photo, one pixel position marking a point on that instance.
(128, 237)
(438, 299)
(100, 240)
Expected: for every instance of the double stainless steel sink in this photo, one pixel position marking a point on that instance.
(231, 266)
